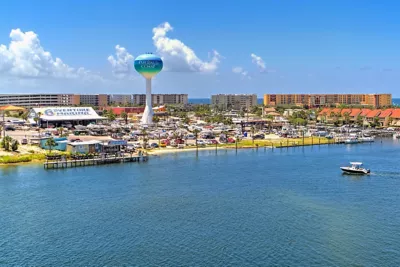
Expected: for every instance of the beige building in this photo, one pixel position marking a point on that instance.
(121, 100)
(160, 99)
(96, 100)
(38, 100)
(242, 101)
(318, 100)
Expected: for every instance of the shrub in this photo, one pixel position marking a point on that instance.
(14, 145)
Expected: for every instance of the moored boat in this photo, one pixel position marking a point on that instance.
(367, 139)
(351, 140)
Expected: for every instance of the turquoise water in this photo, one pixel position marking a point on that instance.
(288, 207)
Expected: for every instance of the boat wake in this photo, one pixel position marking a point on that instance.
(386, 174)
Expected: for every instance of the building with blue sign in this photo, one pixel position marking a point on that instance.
(62, 116)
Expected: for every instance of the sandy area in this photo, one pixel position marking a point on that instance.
(191, 149)
(23, 150)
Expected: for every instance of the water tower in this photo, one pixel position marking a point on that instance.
(148, 65)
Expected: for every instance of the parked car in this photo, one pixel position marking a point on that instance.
(154, 145)
(190, 137)
(24, 141)
(213, 141)
(231, 140)
(201, 143)
(9, 128)
(137, 145)
(165, 142)
(259, 136)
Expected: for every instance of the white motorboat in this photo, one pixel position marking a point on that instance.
(355, 168)
(351, 140)
(368, 139)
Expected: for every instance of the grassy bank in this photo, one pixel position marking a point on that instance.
(307, 141)
(26, 158)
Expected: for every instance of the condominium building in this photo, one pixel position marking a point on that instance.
(317, 100)
(243, 101)
(99, 100)
(160, 99)
(121, 99)
(96, 100)
(37, 100)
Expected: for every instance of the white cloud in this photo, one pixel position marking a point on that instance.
(179, 57)
(258, 61)
(242, 72)
(26, 58)
(122, 62)
(237, 69)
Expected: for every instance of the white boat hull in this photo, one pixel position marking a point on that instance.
(351, 170)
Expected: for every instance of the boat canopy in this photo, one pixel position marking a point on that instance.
(356, 163)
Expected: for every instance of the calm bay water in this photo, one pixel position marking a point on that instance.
(288, 207)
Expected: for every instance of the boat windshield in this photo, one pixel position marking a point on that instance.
(356, 165)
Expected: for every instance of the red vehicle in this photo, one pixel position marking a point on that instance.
(231, 140)
(179, 141)
(165, 142)
(213, 141)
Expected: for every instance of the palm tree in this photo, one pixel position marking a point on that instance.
(124, 115)
(111, 115)
(226, 135)
(37, 120)
(156, 119)
(144, 134)
(61, 131)
(196, 134)
(50, 143)
(253, 130)
(6, 143)
(346, 117)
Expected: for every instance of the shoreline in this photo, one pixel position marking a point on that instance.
(162, 151)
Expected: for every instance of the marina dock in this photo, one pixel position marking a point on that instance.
(72, 163)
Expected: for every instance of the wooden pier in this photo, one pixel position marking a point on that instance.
(62, 164)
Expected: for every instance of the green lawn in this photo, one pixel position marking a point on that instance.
(280, 143)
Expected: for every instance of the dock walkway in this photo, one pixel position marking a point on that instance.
(62, 164)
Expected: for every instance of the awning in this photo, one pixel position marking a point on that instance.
(71, 118)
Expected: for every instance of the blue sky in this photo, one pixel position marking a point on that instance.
(208, 46)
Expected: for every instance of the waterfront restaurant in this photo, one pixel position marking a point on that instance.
(63, 116)
(84, 147)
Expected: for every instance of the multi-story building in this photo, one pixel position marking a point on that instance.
(38, 100)
(122, 100)
(99, 100)
(96, 100)
(243, 101)
(160, 99)
(318, 100)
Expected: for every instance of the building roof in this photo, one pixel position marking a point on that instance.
(385, 113)
(269, 110)
(325, 111)
(273, 114)
(395, 114)
(92, 142)
(373, 113)
(66, 113)
(365, 111)
(355, 112)
(344, 111)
